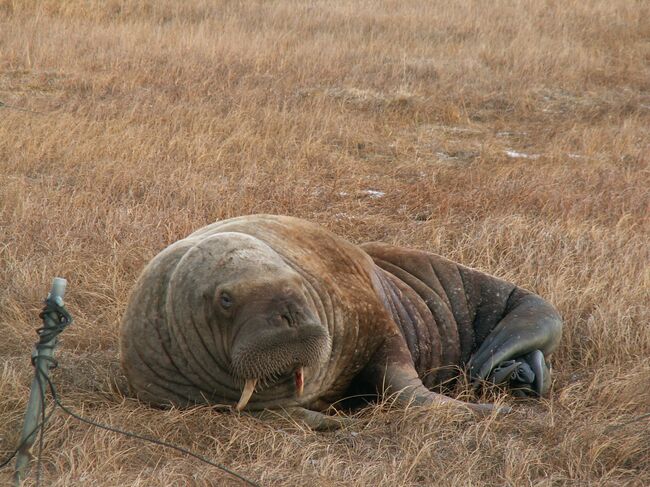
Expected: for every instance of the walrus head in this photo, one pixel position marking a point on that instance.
(265, 316)
(276, 331)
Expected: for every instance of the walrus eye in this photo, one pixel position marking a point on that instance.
(225, 300)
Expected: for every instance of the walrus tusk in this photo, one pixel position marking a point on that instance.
(300, 381)
(246, 394)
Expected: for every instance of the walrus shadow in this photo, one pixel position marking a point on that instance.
(96, 373)
(362, 395)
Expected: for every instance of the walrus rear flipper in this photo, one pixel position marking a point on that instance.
(528, 332)
(524, 376)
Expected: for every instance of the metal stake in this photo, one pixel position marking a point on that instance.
(42, 353)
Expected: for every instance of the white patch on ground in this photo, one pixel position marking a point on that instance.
(508, 133)
(373, 193)
(520, 155)
(445, 156)
(457, 156)
(453, 130)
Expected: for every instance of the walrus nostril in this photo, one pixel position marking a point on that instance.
(286, 319)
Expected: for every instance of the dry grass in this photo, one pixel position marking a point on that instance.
(158, 117)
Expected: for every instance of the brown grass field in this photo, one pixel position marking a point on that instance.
(512, 136)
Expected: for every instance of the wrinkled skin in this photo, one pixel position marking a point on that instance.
(276, 313)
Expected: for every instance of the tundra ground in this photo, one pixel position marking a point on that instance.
(510, 136)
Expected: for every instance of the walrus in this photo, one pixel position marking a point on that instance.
(268, 312)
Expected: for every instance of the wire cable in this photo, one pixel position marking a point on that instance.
(155, 441)
(46, 335)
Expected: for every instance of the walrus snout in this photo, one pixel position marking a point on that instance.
(270, 352)
(269, 348)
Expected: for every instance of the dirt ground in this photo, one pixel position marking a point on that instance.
(510, 136)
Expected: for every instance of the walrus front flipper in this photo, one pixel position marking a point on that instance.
(404, 383)
(515, 349)
(392, 372)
